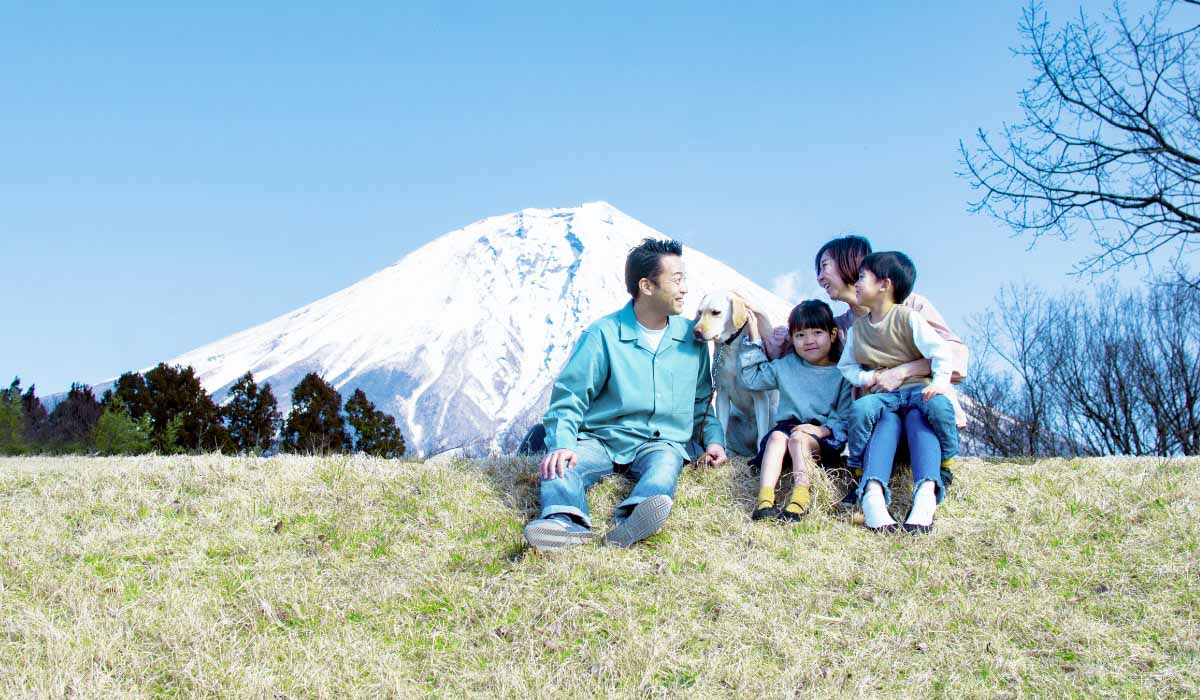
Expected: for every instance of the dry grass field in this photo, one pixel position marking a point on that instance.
(335, 577)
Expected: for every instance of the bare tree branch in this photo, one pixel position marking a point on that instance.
(1110, 141)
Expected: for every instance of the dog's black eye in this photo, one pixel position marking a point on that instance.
(716, 313)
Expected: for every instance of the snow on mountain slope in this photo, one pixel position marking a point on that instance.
(462, 339)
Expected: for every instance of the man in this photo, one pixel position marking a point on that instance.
(634, 391)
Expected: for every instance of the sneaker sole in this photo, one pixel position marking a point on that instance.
(548, 538)
(646, 519)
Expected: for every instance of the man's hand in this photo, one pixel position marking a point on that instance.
(933, 390)
(714, 456)
(871, 382)
(557, 463)
(752, 326)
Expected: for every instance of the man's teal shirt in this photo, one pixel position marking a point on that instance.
(617, 390)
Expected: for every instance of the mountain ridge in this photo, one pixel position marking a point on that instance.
(462, 338)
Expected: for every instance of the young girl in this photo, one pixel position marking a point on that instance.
(814, 400)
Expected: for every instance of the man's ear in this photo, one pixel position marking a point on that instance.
(739, 310)
(645, 286)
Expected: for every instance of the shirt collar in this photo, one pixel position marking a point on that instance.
(677, 326)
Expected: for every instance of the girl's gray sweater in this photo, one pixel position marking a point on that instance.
(806, 392)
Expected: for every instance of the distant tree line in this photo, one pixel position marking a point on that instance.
(167, 411)
(1117, 372)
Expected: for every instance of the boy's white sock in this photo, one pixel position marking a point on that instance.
(875, 512)
(924, 505)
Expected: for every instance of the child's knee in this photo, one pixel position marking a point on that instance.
(866, 408)
(802, 441)
(939, 408)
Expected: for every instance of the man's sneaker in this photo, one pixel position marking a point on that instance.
(552, 534)
(646, 519)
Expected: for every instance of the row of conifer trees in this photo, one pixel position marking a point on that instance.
(166, 410)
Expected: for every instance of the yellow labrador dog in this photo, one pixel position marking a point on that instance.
(722, 319)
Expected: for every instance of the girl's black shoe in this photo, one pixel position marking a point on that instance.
(786, 516)
(763, 513)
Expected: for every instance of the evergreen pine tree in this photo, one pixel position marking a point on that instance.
(12, 420)
(73, 421)
(315, 423)
(377, 432)
(251, 415)
(37, 420)
(175, 394)
(117, 433)
(132, 390)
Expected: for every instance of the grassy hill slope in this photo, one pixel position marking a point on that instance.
(302, 577)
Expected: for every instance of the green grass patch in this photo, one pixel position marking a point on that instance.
(291, 577)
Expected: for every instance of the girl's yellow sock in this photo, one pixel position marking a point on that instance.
(800, 500)
(766, 497)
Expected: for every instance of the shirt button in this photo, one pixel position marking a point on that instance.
(656, 433)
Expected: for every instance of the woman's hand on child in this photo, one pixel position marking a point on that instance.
(933, 390)
(888, 379)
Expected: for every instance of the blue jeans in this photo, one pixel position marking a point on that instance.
(923, 448)
(866, 412)
(655, 468)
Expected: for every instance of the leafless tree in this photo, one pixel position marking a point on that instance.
(1114, 372)
(1014, 334)
(1110, 139)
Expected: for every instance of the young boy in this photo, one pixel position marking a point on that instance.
(889, 336)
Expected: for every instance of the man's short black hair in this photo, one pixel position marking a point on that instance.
(895, 266)
(644, 261)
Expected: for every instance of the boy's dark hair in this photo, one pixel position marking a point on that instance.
(895, 266)
(643, 261)
(814, 313)
(847, 253)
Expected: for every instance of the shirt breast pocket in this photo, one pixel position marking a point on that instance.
(683, 389)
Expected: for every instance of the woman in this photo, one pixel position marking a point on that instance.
(837, 264)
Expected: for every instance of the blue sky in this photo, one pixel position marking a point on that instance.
(175, 173)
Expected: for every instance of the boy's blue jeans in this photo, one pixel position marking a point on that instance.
(655, 468)
(866, 411)
(923, 449)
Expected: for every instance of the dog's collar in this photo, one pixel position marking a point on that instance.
(737, 335)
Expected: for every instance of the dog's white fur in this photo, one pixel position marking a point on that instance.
(721, 319)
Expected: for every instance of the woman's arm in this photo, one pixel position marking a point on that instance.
(959, 353)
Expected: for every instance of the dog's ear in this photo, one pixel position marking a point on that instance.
(739, 310)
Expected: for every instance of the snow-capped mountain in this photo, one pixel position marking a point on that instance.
(462, 339)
